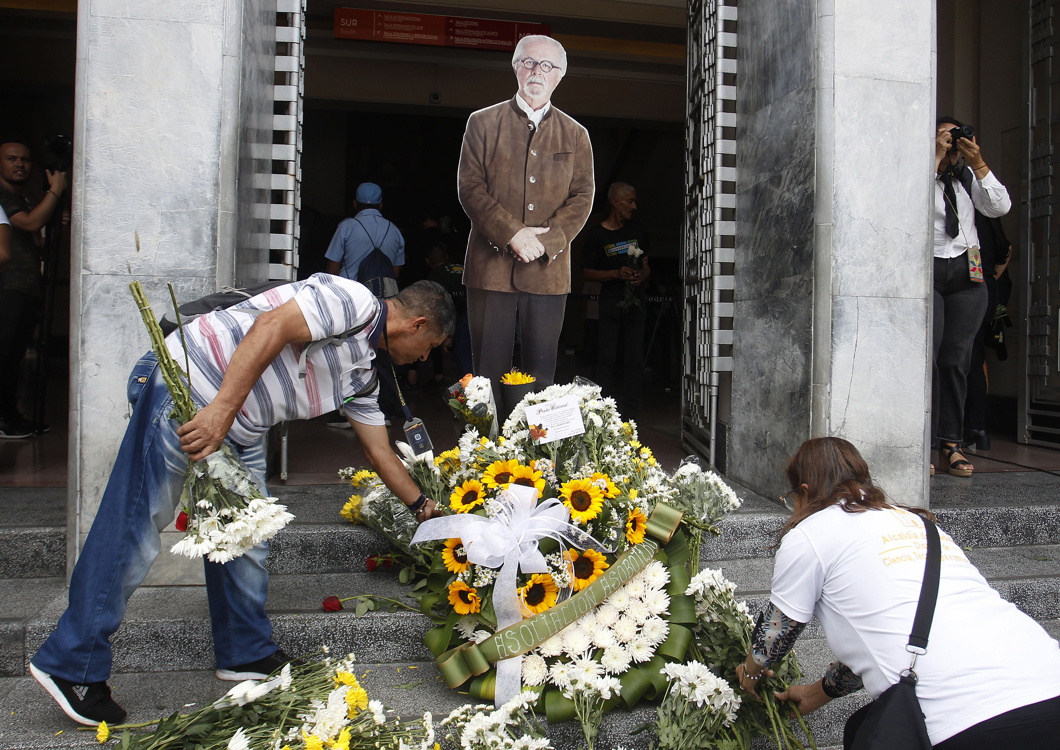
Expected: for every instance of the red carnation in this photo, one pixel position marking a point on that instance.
(182, 521)
(332, 604)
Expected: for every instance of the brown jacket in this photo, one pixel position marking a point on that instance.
(514, 175)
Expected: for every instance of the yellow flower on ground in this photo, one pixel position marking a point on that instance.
(342, 742)
(587, 566)
(351, 511)
(517, 378)
(611, 490)
(356, 700)
(345, 678)
(102, 732)
(499, 473)
(528, 477)
(636, 525)
(361, 477)
(454, 556)
(467, 496)
(540, 593)
(312, 742)
(464, 598)
(583, 498)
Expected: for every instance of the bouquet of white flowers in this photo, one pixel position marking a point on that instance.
(698, 710)
(471, 399)
(513, 726)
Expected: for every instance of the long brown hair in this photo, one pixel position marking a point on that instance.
(834, 473)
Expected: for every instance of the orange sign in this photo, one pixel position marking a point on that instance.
(441, 31)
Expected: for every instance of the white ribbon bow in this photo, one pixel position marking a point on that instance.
(509, 541)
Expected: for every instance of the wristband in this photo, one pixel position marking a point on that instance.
(55, 194)
(417, 506)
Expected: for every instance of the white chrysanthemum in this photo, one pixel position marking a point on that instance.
(655, 575)
(466, 626)
(378, 712)
(641, 649)
(588, 621)
(480, 635)
(638, 612)
(655, 630)
(239, 741)
(553, 646)
(559, 674)
(656, 602)
(330, 717)
(606, 615)
(615, 660)
(586, 670)
(619, 600)
(535, 671)
(604, 637)
(576, 640)
(635, 588)
(608, 687)
(625, 629)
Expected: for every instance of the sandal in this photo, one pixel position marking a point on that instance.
(958, 468)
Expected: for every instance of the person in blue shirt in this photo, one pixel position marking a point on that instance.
(366, 230)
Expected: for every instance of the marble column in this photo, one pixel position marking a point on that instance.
(172, 131)
(832, 313)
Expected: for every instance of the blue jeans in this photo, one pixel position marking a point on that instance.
(140, 500)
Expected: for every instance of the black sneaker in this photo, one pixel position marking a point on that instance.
(86, 704)
(258, 670)
(14, 429)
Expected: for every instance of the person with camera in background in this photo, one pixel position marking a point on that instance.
(964, 184)
(23, 287)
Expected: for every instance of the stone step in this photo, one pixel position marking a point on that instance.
(32, 532)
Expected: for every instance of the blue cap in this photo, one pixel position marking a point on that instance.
(369, 192)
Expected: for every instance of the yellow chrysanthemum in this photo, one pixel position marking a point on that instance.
(102, 732)
(345, 678)
(517, 378)
(583, 498)
(636, 525)
(587, 566)
(448, 461)
(499, 473)
(342, 742)
(454, 556)
(528, 477)
(351, 511)
(611, 490)
(361, 477)
(540, 593)
(467, 496)
(312, 742)
(464, 599)
(633, 494)
(356, 701)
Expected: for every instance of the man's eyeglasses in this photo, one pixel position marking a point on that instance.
(530, 63)
(788, 498)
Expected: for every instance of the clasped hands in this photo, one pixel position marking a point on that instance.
(807, 698)
(526, 246)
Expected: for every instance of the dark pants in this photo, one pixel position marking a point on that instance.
(975, 401)
(18, 318)
(492, 317)
(460, 351)
(1035, 726)
(959, 306)
(627, 326)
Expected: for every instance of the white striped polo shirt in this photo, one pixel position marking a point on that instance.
(331, 306)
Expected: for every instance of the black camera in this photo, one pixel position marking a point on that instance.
(964, 131)
(62, 148)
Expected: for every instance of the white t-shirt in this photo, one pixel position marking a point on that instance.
(3, 216)
(860, 573)
(331, 306)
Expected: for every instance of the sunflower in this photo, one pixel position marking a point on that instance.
(454, 556)
(583, 498)
(465, 599)
(351, 511)
(540, 593)
(610, 489)
(526, 476)
(636, 526)
(467, 496)
(499, 473)
(587, 566)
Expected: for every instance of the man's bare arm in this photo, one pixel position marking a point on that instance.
(5, 247)
(376, 445)
(271, 332)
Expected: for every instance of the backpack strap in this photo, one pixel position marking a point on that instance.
(375, 246)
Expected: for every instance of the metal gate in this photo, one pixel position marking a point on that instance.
(708, 250)
(1040, 398)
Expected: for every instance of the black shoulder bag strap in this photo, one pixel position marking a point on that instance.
(929, 593)
(375, 245)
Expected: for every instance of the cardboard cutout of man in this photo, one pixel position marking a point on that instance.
(526, 183)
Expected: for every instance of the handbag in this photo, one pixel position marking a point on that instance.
(894, 721)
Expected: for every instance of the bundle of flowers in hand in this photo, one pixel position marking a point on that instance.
(633, 259)
(306, 706)
(223, 513)
(563, 561)
(471, 399)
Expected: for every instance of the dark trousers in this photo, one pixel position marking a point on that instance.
(959, 306)
(627, 326)
(975, 402)
(18, 318)
(460, 350)
(492, 318)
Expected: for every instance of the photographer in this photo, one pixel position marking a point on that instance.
(963, 185)
(22, 290)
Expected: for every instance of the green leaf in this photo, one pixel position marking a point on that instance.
(362, 609)
(405, 575)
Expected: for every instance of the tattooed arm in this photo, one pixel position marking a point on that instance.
(773, 637)
(839, 680)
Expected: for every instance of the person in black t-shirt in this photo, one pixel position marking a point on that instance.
(615, 254)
